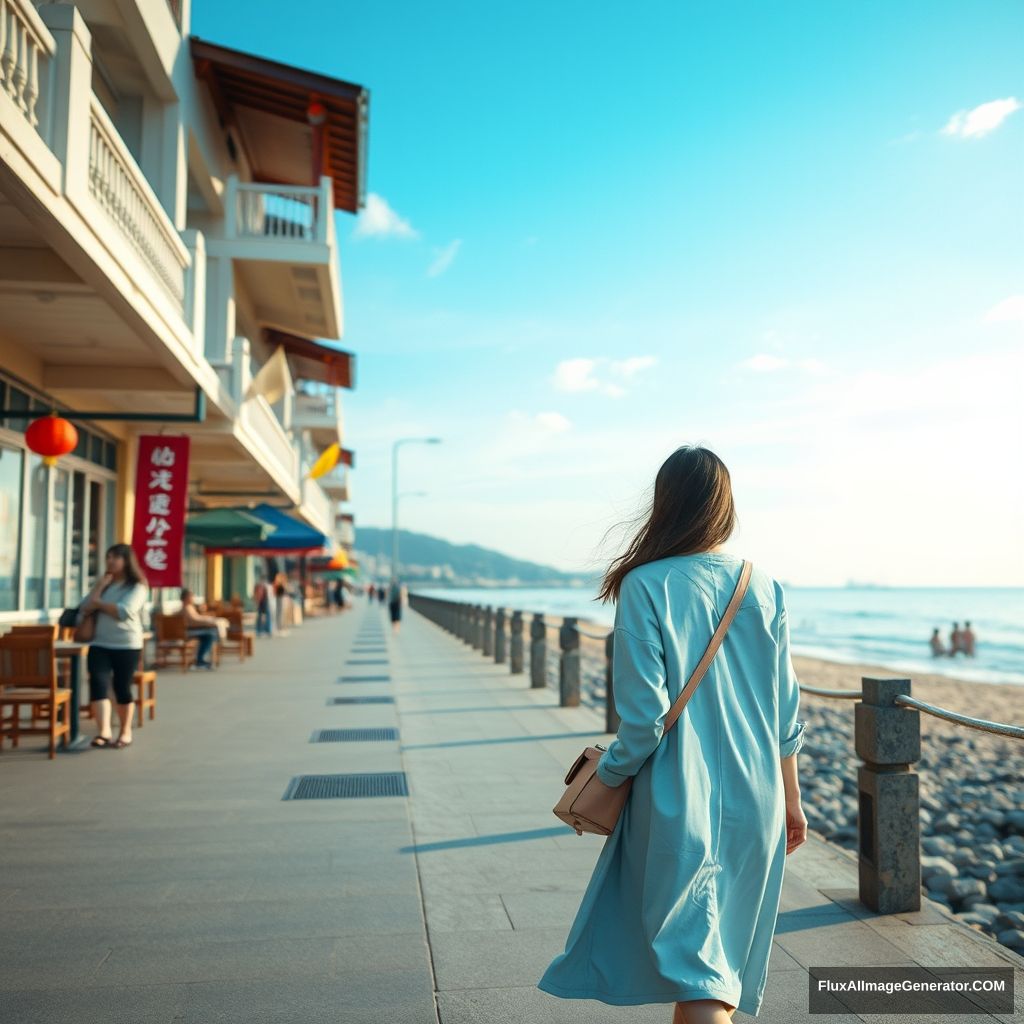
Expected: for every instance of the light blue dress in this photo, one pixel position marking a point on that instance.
(684, 897)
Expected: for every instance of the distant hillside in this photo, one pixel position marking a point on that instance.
(439, 562)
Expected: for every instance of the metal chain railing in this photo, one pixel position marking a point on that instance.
(887, 732)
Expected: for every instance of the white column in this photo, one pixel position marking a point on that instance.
(72, 94)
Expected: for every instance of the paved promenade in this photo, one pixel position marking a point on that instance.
(171, 882)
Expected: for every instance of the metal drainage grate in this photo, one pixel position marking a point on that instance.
(364, 679)
(362, 700)
(379, 734)
(339, 787)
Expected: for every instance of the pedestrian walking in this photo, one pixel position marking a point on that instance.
(117, 601)
(682, 903)
(264, 619)
(281, 596)
(395, 595)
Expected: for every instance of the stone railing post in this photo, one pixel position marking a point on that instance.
(478, 627)
(488, 638)
(887, 738)
(499, 637)
(516, 643)
(611, 716)
(569, 664)
(538, 652)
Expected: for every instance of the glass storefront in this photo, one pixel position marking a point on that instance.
(55, 522)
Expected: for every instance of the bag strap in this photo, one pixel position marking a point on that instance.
(712, 649)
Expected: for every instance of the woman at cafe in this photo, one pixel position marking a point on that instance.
(115, 650)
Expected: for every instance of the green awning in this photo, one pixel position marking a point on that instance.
(226, 527)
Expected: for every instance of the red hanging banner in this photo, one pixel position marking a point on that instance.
(161, 495)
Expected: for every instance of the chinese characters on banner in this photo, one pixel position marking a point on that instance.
(161, 493)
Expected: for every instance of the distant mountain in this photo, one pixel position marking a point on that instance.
(431, 560)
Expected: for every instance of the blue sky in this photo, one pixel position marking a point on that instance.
(792, 232)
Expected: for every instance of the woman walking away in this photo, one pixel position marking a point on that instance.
(115, 650)
(395, 604)
(682, 904)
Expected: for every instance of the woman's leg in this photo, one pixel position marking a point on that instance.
(703, 1011)
(100, 670)
(125, 663)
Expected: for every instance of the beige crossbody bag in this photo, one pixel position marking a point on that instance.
(588, 805)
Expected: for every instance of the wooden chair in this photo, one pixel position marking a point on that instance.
(145, 682)
(28, 671)
(172, 640)
(40, 712)
(238, 640)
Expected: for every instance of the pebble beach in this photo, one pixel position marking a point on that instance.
(971, 786)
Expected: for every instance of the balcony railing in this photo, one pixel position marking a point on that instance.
(26, 47)
(121, 189)
(283, 213)
(317, 506)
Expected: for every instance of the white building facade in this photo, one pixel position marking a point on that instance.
(167, 224)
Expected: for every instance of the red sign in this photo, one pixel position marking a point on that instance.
(161, 494)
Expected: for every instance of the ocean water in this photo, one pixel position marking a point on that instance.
(886, 626)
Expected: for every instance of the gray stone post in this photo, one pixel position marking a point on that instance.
(488, 637)
(569, 664)
(611, 716)
(516, 643)
(887, 738)
(475, 627)
(538, 652)
(499, 637)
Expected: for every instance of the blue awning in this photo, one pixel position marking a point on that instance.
(290, 536)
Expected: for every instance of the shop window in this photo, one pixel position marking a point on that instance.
(78, 520)
(10, 519)
(18, 399)
(57, 547)
(35, 531)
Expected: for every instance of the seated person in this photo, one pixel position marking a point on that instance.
(202, 627)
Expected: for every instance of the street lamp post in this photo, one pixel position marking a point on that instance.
(394, 493)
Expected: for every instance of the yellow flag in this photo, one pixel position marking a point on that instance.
(327, 461)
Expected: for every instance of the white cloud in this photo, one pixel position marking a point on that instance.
(554, 422)
(575, 375)
(379, 220)
(973, 124)
(444, 258)
(1010, 310)
(633, 365)
(764, 362)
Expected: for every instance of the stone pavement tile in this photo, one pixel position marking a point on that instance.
(133, 1005)
(800, 896)
(946, 945)
(347, 999)
(542, 909)
(461, 912)
(164, 963)
(780, 960)
(65, 896)
(529, 1005)
(786, 1001)
(817, 940)
(71, 967)
(497, 959)
(344, 880)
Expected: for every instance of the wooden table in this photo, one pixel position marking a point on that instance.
(74, 651)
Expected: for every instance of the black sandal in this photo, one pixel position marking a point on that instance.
(101, 741)
(122, 744)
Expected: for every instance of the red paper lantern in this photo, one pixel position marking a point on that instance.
(51, 437)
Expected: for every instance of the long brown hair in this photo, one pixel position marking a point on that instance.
(691, 510)
(132, 570)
